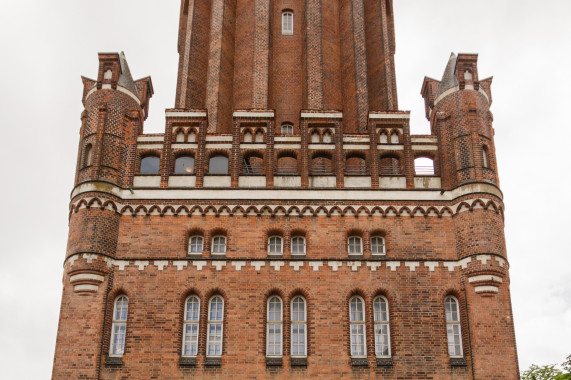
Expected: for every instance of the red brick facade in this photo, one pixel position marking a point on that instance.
(341, 182)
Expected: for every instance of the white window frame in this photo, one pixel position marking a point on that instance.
(381, 322)
(299, 322)
(211, 323)
(349, 245)
(353, 323)
(384, 250)
(190, 322)
(275, 323)
(303, 246)
(214, 245)
(287, 23)
(190, 245)
(451, 323)
(118, 323)
(288, 128)
(281, 246)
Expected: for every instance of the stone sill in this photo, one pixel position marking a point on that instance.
(458, 362)
(359, 362)
(114, 361)
(274, 362)
(384, 362)
(298, 362)
(187, 361)
(213, 362)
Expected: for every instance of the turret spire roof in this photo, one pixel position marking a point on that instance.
(449, 79)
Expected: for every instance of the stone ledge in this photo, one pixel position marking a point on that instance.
(298, 362)
(274, 362)
(213, 362)
(187, 361)
(114, 361)
(384, 362)
(359, 362)
(458, 362)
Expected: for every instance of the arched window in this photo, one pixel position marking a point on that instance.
(274, 323)
(355, 245)
(219, 245)
(88, 155)
(378, 245)
(119, 326)
(218, 165)
(190, 327)
(298, 245)
(315, 137)
(287, 129)
(180, 136)
(485, 162)
(287, 22)
(247, 137)
(259, 137)
(184, 165)
(357, 327)
(453, 329)
(382, 329)
(215, 327)
(298, 327)
(192, 136)
(394, 138)
(195, 245)
(275, 245)
(424, 166)
(383, 139)
(327, 137)
(150, 165)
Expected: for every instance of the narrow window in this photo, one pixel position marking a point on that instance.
(394, 138)
(215, 325)
(259, 137)
(355, 245)
(298, 245)
(275, 245)
(453, 329)
(150, 165)
(287, 22)
(377, 245)
(195, 245)
(192, 136)
(248, 137)
(119, 326)
(218, 165)
(357, 327)
(287, 129)
(485, 157)
(327, 137)
(382, 329)
(383, 139)
(88, 160)
(180, 136)
(298, 328)
(315, 137)
(274, 327)
(190, 328)
(219, 245)
(184, 165)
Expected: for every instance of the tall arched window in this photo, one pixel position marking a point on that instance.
(275, 245)
(195, 245)
(215, 327)
(453, 329)
(190, 327)
(355, 245)
(298, 245)
(357, 327)
(274, 323)
(218, 165)
(119, 326)
(287, 22)
(88, 155)
(382, 329)
(150, 165)
(219, 245)
(184, 165)
(298, 327)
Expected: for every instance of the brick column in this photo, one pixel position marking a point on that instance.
(362, 94)
(304, 158)
(200, 153)
(215, 58)
(388, 49)
(185, 59)
(235, 158)
(339, 156)
(374, 155)
(261, 55)
(314, 51)
(270, 159)
(166, 156)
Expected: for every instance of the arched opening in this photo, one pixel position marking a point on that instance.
(88, 155)
(253, 164)
(355, 164)
(327, 137)
(287, 128)
(389, 165)
(259, 137)
(383, 139)
(287, 22)
(184, 165)
(485, 159)
(150, 165)
(287, 164)
(192, 136)
(424, 166)
(395, 138)
(315, 136)
(247, 137)
(179, 136)
(218, 164)
(321, 164)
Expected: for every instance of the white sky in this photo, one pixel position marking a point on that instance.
(47, 45)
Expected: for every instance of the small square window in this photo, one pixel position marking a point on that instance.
(219, 245)
(287, 129)
(298, 245)
(355, 246)
(377, 245)
(275, 245)
(195, 245)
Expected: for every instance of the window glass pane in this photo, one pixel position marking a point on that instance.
(184, 165)
(357, 310)
(192, 309)
(298, 309)
(275, 245)
(218, 165)
(214, 339)
(354, 244)
(190, 339)
(275, 309)
(219, 244)
(196, 244)
(377, 245)
(216, 309)
(382, 340)
(298, 245)
(121, 308)
(150, 165)
(357, 340)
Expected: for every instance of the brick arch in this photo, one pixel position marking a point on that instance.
(177, 132)
(399, 134)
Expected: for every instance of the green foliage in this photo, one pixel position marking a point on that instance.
(548, 372)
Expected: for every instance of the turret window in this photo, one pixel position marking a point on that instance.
(150, 165)
(88, 155)
(287, 22)
(119, 326)
(485, 162)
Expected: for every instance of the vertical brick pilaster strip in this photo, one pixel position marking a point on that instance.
(214, 64)
(360, 52)
(166, 155)
(181, 101)
(270, 157)
(388, 57)
(261, 55)
(98, 148)
(82, 145)
(201, 153)
(314, 51)
(131, 150)
(408, 156)
(374, 155)
(339, 156)
(235, 159)
(304, 131)
(474, 120)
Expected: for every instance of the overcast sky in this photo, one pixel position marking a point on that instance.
(47, 45)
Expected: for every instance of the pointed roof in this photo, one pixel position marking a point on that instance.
(126, 79)
(449, 79)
